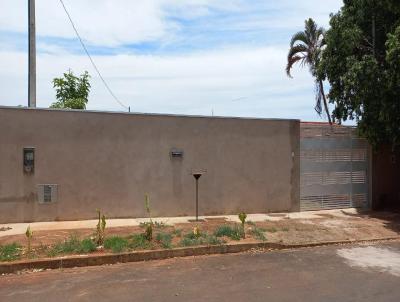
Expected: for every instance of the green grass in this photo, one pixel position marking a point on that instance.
(271, 230)
(87, 245)
(235, 233)
(116, 244)
(258, 233)
(139, 242)
(10, 252)
(72, 245)
(177, 232)
(190, 239)
(165, 240)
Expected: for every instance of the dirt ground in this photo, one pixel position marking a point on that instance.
(331, 228)
(365, 226)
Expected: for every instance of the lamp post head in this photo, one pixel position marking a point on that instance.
(197, 175)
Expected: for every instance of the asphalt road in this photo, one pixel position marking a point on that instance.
(340, 273)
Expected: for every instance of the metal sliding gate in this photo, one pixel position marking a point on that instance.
(334, 167)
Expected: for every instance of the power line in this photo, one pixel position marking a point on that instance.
(91, 60)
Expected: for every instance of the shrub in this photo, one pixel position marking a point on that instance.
(164, 239)
(116, 244)
(10, 252)
(235, 233)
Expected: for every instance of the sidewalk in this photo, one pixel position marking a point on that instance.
(20, 228)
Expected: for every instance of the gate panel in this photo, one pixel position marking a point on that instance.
(333, 168)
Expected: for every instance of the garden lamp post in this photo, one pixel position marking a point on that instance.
(197, 176)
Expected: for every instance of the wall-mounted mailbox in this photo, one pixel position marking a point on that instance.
(176, 153)
(29, 159)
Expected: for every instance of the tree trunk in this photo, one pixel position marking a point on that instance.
(321, 87)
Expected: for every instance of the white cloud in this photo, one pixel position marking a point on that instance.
(119, 22)
(190, 84)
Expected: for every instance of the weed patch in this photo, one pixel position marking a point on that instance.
(191, 239)
(258, 233)
(10, 252)
(72, 245)
(116, 244)
(87, 246)
(271, 230)
(235, 233)
(139, 242)
(164, 239)
(177, 232)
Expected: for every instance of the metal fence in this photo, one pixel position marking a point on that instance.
(334, 167)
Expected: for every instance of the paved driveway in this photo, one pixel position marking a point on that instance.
(339, 273)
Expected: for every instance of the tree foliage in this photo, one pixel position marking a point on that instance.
(72, 92)
(361, 61)
(306, 48)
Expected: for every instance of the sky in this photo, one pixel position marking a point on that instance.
(195, 57)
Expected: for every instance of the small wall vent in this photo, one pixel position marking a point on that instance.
(47, 193)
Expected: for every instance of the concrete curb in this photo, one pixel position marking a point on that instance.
(94, 260)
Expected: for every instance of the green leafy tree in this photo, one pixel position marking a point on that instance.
(306, 49)
(361, 61)
(71, 91)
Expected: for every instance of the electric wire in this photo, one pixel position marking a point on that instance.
(91, 59)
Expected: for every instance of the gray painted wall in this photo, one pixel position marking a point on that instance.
(110, 160)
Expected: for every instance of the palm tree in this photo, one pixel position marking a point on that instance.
(306, 48)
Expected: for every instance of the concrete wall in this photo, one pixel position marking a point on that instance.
(110, 160)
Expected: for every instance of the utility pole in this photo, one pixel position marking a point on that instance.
(32, 55)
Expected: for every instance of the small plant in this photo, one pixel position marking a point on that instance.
(71, 245)
(100, 229)
(148, 233)
(258, 233)
(165, 240)
(87, 246)
(68, 246)
(149, 225)
(196, 232)
(242, 217)
(139, 241)
(10, 252)
(204, 239)
(159, 225)
(235, 233)
(177, 232)
(271, 230)
(29, 235)
(116, 244)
